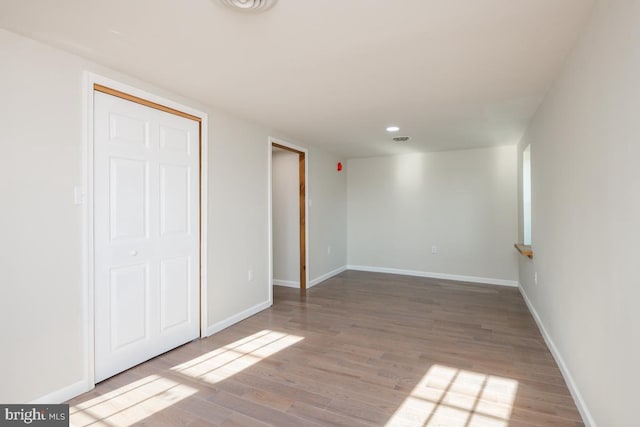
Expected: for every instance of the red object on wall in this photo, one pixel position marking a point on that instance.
(339, 166)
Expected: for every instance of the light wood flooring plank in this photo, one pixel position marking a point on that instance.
(360, 349)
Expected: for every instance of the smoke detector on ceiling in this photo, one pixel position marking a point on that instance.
(249, 5)
(401, 138)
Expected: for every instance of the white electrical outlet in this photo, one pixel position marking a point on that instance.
(250, 275)
(535, 278)
(78, 195)
(434, 249)
(328, 249)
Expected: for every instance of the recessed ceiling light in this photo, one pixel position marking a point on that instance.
(393, 129)
(249, 5)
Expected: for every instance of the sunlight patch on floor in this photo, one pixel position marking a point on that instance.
(450, 397)
(139, 400)
(131, 403)
(224, 362)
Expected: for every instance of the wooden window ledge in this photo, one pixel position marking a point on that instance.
(524, 250)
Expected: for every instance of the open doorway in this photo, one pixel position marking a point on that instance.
(288, 214)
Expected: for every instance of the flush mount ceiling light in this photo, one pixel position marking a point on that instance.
(393, 129)
(401, 138)
(249, 5)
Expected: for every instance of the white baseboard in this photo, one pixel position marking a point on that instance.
(83, 385)
(223, 324)
(287, 283)
(566, 374)
(326, 276)
(64, 394)
(313, 282)
(474, 279)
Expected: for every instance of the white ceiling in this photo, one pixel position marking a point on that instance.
(452, 74)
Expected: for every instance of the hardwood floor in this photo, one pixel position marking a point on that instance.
(359, 349)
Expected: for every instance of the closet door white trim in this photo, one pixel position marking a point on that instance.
(146, 232)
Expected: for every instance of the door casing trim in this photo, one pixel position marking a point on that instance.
(90, 80)
(295, 148)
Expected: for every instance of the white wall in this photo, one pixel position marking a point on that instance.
(40, 243)
(327, 194)
(463, 202)
(41, 307)
(286, 217)
(585, 146)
